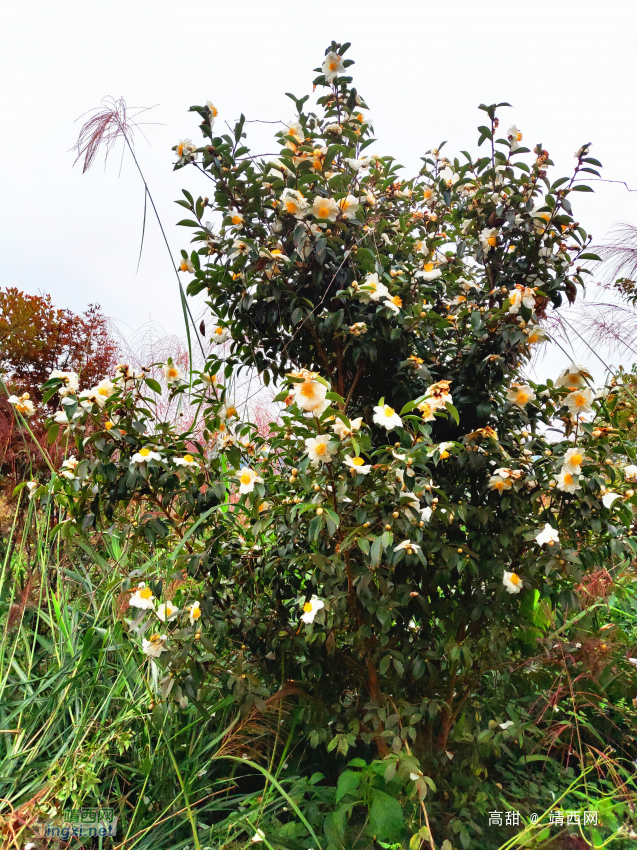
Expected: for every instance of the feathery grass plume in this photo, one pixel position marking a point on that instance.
(620, 254)
(601, 323)
(109, 122)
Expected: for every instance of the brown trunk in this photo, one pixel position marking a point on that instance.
(374, 698)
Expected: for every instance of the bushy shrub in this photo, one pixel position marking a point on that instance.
(420, 521)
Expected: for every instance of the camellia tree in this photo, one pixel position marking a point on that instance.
(386, 557)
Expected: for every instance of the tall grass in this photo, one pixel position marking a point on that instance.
(80, 726)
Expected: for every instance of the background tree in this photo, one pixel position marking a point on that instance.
(35, 338)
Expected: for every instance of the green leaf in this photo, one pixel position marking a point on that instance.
(385, 816)
(153, 384)
(52, 433)
(48, 395)
(315, 529)
(454, 413)
(348, 781)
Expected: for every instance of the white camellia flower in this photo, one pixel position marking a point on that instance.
(311, 609)
(357, 464)
(186, 150)
(87, 399)
(167, 612)
(408, 546)
(394, 304)
(186, 460)
(154, 646)
(567, 482)
(427, 410)
(387, 417)
(228, 410)
(519, 297)
(574, 377)
(142, 597)
(23, 404)
(194, 612)
(573, 460)
(103, 391)
(548, 535)
(449, 176)
(361, 162)
(97, 395)
(310, 394)
(500, 483)
(537, 336)
(429, 272)
(342, 431)
(442, 449)
(185, 265)
(515, 137)
(70, 379)
(437, 396)
(67, 470)
(295, 130)
(512, 582)
(488, 238)
(236, 219)
(294, 203)
(239, 249)
(579, 402)
(318, 450)
(172, 373)
(520, 394)
(372, 289)
(126, 374)
(349, 207)
(210, 380)
(332, 66)
(144, 455)
(609, 499)
(630, 472)
(220, 335)
(247, 479)
(426, 513)
(325, 209)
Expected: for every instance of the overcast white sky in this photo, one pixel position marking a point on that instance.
(566, 67)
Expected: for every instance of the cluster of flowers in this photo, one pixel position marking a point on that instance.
(419, 219)
(309, 391)
(165, 612)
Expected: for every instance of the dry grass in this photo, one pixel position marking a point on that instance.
(109, 122)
